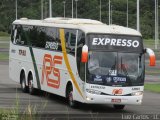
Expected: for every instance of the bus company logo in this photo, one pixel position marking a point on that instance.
(50, 72)
(117, 91)
(98, 78)
(119, 79)
(22, 52)
(108, 79)
(51, 45)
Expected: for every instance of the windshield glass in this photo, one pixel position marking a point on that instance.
(115, 68)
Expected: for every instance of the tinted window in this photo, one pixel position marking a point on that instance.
(18, 36)
(12, 33)
(115, 68)
(37, 36)
(42, 37)
(52, 40)
(70, 37)
(80, 65)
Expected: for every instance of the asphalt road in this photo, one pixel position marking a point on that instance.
(52, 106)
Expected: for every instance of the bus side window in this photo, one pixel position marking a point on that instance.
(33, 36)
(24, 35)
(13, 33)
(17, 36)
(51, 41)
(80, 65)
(70, 37)
(58, 40)
(41, 37)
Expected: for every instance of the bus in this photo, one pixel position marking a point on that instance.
(82, 60)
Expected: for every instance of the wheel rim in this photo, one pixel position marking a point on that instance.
(30, 85)
(71, 98)
(23, 84)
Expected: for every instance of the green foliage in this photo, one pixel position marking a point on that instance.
(4, 56)
(152, 87)
(4, 34)
(86, 9)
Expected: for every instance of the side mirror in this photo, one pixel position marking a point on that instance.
(84, 57)
(152, 56)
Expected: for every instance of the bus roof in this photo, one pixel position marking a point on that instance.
(86, 25)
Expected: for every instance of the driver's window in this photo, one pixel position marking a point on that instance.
(80, 65)
(93, 62)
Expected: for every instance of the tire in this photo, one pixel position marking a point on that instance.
(119, 107)
(31, 88)
(23, 83)
(71, 102)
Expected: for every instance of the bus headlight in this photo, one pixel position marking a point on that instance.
(93, 91)
(137, 93)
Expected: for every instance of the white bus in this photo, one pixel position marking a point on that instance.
(81, 59)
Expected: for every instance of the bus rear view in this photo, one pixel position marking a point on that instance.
(115, 69)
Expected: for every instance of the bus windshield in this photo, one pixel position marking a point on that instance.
(113, 67)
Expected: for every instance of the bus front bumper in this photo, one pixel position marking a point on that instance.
(105, 99)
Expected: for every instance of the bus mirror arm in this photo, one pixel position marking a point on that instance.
(84, 56)
(152, 57)
(144, 51)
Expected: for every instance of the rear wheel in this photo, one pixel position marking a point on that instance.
(23, 83)
(119, 107)
(31, 88)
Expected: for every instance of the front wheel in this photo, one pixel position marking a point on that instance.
(71, 101)
(119, 107)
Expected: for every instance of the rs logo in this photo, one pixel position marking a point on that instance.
(117, 91)
(50, 72)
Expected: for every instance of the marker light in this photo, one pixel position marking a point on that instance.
(151, 56)
(84, 56)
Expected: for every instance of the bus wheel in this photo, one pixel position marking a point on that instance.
(31, 89)
(71, 102)
(23, 83)
(119, 107)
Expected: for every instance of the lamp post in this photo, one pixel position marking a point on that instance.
(16, 8)
(76, 7)
(42, 9)
(127, 13)
(158, 21)
(64, 6)
(100, 7)
(72, 9)
(109, 12)
(138, 28)
(156, 24)
(50, 8)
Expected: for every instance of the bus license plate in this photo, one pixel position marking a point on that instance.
(116, 100)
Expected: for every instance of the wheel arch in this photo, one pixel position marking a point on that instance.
(30, 72)
(23, 71)
(29, 75)
(69, 83)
